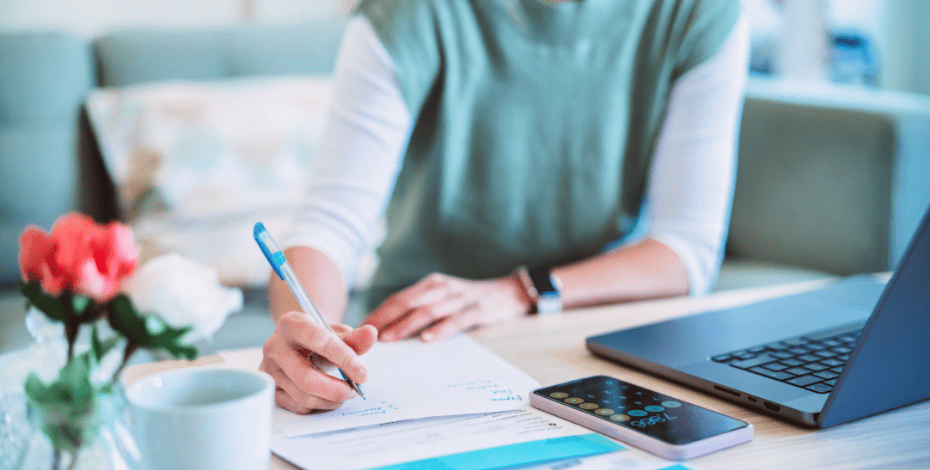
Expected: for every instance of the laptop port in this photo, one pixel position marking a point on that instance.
(752, 399)
(771, 406)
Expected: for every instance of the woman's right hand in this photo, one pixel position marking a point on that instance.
(300, 350)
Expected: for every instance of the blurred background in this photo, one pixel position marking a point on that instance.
(879, 42)
(145, 110)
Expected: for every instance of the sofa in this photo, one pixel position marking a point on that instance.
(831, 179)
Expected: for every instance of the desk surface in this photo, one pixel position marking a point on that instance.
(551, 349)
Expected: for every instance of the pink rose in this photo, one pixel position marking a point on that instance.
(79, 256)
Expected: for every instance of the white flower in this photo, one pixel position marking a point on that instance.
(183, 293)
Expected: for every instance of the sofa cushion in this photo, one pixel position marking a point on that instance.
(44, 77)
(138, 56)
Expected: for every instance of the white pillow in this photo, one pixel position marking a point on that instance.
(196, 164)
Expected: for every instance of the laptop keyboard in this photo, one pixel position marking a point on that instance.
(811, 362)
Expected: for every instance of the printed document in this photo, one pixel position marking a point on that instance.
(411, 380)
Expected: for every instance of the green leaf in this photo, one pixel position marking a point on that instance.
(37, 298)
(80, 303)
(124, 319)
(137, 329)
(68, 405)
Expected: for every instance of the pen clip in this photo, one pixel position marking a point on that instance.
(269, 248)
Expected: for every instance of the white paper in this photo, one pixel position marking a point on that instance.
(420, 439)
(412, 379)
(626, 460)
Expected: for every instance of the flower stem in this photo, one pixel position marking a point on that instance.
(127, 352)
(71, 323)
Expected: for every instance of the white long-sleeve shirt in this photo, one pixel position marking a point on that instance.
(691, 179)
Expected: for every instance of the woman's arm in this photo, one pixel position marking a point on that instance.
(351, 178)
(689, 195)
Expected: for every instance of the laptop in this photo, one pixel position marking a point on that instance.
(853, 349)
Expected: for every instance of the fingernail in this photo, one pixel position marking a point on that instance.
(427, 336)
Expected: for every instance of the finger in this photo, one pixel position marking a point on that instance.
(423, 316)
(319, 340)
(400, 303)
(285, 401)
(361, 339)
(303, 398)
(452, 325)
(340, 329)
(288, 403)
(312, 381)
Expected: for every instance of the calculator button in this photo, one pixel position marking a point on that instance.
(605, 411)
(558, 395)
(574, 401)
(671, 404)
(655, 409)
(619, 417)
(587, 406)
(637, 413)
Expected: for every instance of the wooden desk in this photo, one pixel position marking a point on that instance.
(551, 349)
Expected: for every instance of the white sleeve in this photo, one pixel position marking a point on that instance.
(691, 181)
(367, 129)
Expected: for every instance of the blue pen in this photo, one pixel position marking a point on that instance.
(283, 268)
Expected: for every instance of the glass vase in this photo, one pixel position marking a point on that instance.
(96, 436)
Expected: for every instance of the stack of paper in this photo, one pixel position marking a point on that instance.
(413, 380)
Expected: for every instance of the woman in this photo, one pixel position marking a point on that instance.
(511, 133)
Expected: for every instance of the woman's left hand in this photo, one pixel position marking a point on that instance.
(439, 306)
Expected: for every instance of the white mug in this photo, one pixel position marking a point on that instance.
(203, 418)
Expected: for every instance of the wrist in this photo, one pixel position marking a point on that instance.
(541, 288)
(522, 294)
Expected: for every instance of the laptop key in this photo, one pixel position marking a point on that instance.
(722, 357)
(777, 346)
(816, 366)
(831, 343)
(814, 346)
(838, 370)
(794, 341)
(830, 382)
(825, 374)
(808, 358)
(776, 366)
(799, 371)
(804, 380)
(832, 362)
(842, 350)
(826, 353)
(782, 355)
(843, 357)
(743, 355)
(771, 373)
(757, 361)
(757, 349)
(798, 350)
(791, 362)
(819, 388)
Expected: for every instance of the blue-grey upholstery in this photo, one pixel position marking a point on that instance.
(829, 182)
(44, 78)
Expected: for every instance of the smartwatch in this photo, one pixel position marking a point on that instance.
(543, 289)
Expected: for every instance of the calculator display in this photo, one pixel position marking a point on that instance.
(651, 413)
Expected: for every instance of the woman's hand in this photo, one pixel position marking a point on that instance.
(298, 351)
(439, 306)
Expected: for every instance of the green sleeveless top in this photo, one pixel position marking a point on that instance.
(534, 125)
